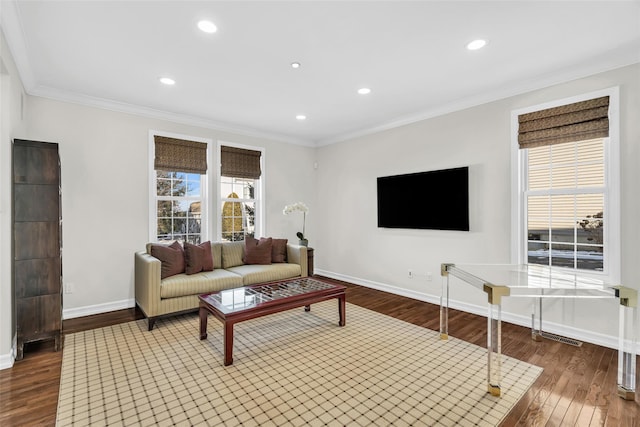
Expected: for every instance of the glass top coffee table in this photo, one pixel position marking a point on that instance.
(248, 302)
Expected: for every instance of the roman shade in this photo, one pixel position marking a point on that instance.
(239, 162)
(567, 123)
(180, 155)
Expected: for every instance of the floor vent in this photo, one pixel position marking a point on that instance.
(558, 338)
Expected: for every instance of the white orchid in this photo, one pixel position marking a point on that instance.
(298, 207)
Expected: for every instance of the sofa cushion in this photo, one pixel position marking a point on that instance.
(197, 257)
(278, 250)
(199, 283)
(171, 258)
(252, 274)
(257, 251)
(232, 254)
(216, 250)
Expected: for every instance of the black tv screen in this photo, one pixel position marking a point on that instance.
(436, 200)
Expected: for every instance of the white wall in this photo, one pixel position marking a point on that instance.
(351, 247)
(105, 190)
(12, 123)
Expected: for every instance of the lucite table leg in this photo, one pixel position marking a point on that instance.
(494, 336)
(444, 302)
(536, 334)
(494, 347)
(627, 341)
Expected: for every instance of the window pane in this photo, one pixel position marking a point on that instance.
(563, 255)
(163, 187)
(164, 209)
(590, 175)
(563, 177)
(590, 258)
(164, 226)
(538, 253)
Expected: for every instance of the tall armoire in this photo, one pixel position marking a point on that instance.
(37, 243)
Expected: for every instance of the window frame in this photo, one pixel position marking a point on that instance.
(612, 237)
(204, 185)
(259, 190)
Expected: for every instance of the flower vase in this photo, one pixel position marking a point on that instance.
(303, 242)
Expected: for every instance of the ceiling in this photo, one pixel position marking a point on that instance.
(411, 54)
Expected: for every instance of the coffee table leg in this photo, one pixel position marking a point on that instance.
(203, 323)
(228, 343)
(342, 308)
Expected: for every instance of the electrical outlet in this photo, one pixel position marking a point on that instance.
(410, 274)
(429, 276)
(68, 288)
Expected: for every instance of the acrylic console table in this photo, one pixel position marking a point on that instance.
(538, 282)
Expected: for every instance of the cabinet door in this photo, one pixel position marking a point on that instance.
(36, 240)
(35, 277)
(35, 162)
(38, 317)
(36, 202)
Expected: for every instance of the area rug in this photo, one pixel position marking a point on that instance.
(293, 368)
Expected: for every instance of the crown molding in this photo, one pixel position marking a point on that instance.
(10, 23)
(122, 107)
(622, 57)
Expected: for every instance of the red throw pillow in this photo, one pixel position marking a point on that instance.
(171, 258)
(278, 250)
(257, 251)
(198, 257)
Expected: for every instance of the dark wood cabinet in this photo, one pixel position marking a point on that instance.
(310, 260)
(37, 248)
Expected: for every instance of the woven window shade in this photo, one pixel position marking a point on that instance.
(573, 122)
(239, 162)
(180, 155)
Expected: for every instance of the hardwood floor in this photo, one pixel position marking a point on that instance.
(577, 387)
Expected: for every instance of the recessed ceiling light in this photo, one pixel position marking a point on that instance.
(167, 81)
(364, 90)
(301, 117)
(476, 44)
(295, 65)
(207, 26)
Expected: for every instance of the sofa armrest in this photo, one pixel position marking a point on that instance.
(147, 283)
(297, 254)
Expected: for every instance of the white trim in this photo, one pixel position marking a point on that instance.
(11, 24)
(72, 313)
(7, 360)
(612, 191)
(259, 192)
(520, 320)
(205, 183)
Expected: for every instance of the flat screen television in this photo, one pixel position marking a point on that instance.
(435, 200)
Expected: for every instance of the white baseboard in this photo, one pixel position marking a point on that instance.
(7, 360)
(72, 313)
(516, 319)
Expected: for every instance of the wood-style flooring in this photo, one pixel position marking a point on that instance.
(577, 388)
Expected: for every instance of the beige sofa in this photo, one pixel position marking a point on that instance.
(179, 293)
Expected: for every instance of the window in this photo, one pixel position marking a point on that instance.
(178, 206)
(567, 185)
(178, 182)
(241, 183)
(565, 205)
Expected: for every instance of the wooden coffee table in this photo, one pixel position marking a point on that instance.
(235, 305)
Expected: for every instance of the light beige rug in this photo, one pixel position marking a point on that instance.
(290, 369)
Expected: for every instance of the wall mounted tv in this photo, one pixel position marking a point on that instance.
(435, 200)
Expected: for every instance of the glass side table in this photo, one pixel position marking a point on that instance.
(538, 282)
